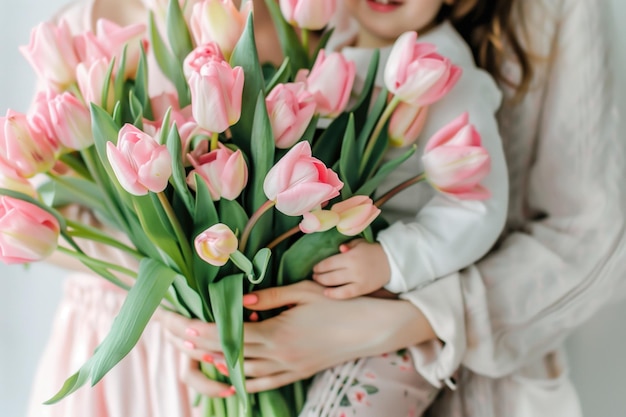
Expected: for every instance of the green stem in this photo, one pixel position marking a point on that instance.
(97, 262)
(91, 233)
(282, 237)
(214, 141)
(371, 142)
(305, 38)
(76, 165)
(183, 242)
(395, 190)
(298, 393)
(253, 220)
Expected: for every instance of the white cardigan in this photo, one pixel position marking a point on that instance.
(503, 320)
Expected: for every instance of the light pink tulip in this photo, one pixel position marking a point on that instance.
(225, 173)
(330, 81)
(355, 214)
(201, 55)
(216, 244)
(455, 162)
(415, 73)
(91, 81)
(90, 49)
(52, 55)
(318, 221)
(216, 95)
(10, 180)
(219, 21)
(21, 148)
(290, 109)
(27, 232)
(308, 14)
(406, 124)
(299, 183)
(115, 38)
(40, 120)
(139, 162)
(71, 121)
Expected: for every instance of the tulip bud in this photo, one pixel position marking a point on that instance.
(355, 214)
(455, 162)
(91, 81)
(201, 55)
(290, 108)
(10, 180)
(330, 81)
(216, 244)
(115, 39)
(416, 74)
(406, 124)
(318, 221)
(224, 172)
(71, 121)
(216, 95)
(308, 14)
(219, 21)
(21, 148)
(52, 55)
(139, 162)
(27, 232)
(299, 183)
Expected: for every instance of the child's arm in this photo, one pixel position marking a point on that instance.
(360, 269)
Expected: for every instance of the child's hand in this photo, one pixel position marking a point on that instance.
(361, 268)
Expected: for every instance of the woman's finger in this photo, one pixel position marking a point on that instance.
(332, 279)
(271, 382)
(194, 378)
(299, 293)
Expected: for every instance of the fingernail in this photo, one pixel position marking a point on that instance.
(222, 368)
(250, 299)
(226, 393)
(207, 358)
(189, 344)
(254, 316)
(343, 248)
(191, 332)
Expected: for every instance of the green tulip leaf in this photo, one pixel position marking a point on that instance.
(178, 32)
(179, 176)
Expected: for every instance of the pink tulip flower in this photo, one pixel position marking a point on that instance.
(308, 14)
(201, 55)
(71, 121)
(219, 21)
(406, 124)
(90, 49)
(455, 162)
(21, 148)
(318, 221)
(39, 119)
(216, 244)
(355, 214)
(225, 173)
(216, 95)
(416, 74)
(52, 55)
(27, 232)
(299, 183)
(91, 80)
(10, 180)
(290, 109)
(330, 81)
(139, 162)
(115, 38)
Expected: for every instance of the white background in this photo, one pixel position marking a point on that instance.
(28, 296)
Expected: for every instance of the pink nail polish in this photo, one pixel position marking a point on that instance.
(254, 316)
(207, 358)
(191, 332)
(250, 299)
(343, 248)
(222, 368)
(189, 344)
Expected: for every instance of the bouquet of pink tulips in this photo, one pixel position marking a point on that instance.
(227, 183)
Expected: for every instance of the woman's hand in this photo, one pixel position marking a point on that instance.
(314, 334)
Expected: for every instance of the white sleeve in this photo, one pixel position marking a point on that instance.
(567, 261)
(449, 234)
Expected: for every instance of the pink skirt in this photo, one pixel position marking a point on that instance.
(144, 383)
